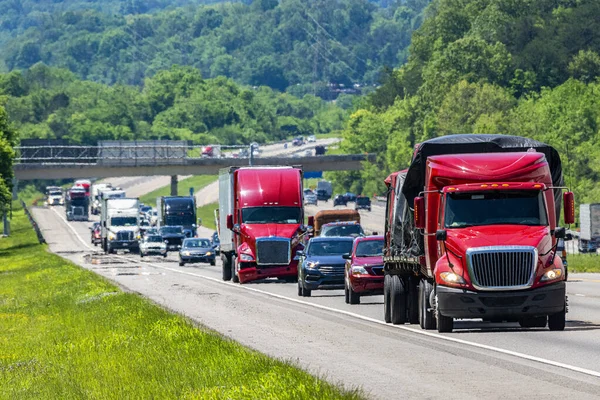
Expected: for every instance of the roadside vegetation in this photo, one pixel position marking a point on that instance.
(207, 213)
(583, 263)
(183, 188)
(67, 333)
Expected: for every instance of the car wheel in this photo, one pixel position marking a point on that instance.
(353, 296)
(300, 290)
(306, 292)
(181, 263)
(165, 255)
(346, 294)
(213, 262)
(141, 255)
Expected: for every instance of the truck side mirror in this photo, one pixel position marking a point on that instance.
(559, 233)
(419, 207)
(569, 210)
(311, 221)
(441, 235)
(229, 221)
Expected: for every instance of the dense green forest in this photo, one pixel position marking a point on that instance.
(47, 102)
(296, 45)
(526, 68)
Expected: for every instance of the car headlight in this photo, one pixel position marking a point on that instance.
(312, 264)
(163, 245)
(111, 236)
(186, 253)
(246, 257)
(208, 253)
(551, 275)
(359, 270)
(138, 236)
(451, 277)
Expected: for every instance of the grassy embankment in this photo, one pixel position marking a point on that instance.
(584, 262)
(68, 333)
(183, 188)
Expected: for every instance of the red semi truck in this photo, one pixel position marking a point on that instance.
(261, 222)
(471, 232)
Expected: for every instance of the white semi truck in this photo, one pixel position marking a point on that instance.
(589, 224)
(96, 196)
(120, 222)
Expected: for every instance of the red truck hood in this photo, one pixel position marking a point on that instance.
(368, 261)
(266, 230)
(459, 240)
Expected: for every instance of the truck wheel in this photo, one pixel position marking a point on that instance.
(444, 324)
(141, 255)
(226, 267)
(387, 313)
(426, 317)
(234, 276)
(354, 297)
(556, 322)
(413, 300)
(398, 301)
(533, 322)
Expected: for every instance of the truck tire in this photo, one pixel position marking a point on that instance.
(234, 276)
(444, 324)
(387, 313)
(426, 317)
(398, 300)
(556, 322)
(533, 322)
(353, 296)
(226, 267)
(413, 300)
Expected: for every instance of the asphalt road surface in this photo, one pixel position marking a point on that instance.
(350, 344)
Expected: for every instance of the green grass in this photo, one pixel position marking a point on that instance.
(183, 188)
(67, 333)
(584, 262)
(207, 213)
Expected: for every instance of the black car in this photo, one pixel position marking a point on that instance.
(321, 264)
(216, 243)
(363, 203)
(173, 236)
(298, 141)
(340, 200)
(196, 250)
(350, 197)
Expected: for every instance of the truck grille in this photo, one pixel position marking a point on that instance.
(502, 267)
(273, 251)
(332, 270)
(125, 235)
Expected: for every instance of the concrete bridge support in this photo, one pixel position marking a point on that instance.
(173, 185)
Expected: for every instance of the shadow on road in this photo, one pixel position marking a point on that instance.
(484, 327)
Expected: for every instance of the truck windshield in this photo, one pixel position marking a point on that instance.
(495, 208)
(185, 219)
(123, 221)
(171, 229)
(271, 215)
(369, 248)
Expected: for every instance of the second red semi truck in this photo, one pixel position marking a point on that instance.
(471, 232)
(260, 222)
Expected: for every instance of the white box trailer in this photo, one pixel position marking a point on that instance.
(589, 222)
(225, 208)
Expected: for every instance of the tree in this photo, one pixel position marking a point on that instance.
(7, 139)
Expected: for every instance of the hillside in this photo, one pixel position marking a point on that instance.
(297, 45)
(526, 68)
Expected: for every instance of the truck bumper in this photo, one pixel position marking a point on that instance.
(115, 245)
(459, 303)
(367, 284)
(255, 273)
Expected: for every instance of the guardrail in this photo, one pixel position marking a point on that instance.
(33, 223)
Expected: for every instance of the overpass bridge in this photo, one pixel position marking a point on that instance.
(73, 162)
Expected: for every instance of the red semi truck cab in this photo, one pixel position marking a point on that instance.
(261, 222)
(477, 241)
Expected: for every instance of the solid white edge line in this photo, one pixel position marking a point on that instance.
(362, 317)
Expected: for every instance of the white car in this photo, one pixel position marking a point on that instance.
(153, 244)
(311, 139)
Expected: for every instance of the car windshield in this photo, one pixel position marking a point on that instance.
(495, 208)
(329, 248)
(196, 243)
(363, 200)
(342, 230)
(267, 215)
(154, 239)
(369, 248)
(123, 221)
(55, 193)
(171, 229)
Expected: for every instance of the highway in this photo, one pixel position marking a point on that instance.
(350, 344)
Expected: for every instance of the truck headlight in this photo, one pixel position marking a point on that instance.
(111, 236)
(551, 275)
(245, 257)
(451, 277)
(138, 236)
(358, 270)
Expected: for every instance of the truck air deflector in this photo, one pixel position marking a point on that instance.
(496, 268)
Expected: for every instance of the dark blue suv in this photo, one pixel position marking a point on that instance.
(321, 264)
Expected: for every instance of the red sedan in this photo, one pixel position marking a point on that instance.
(364, 269)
